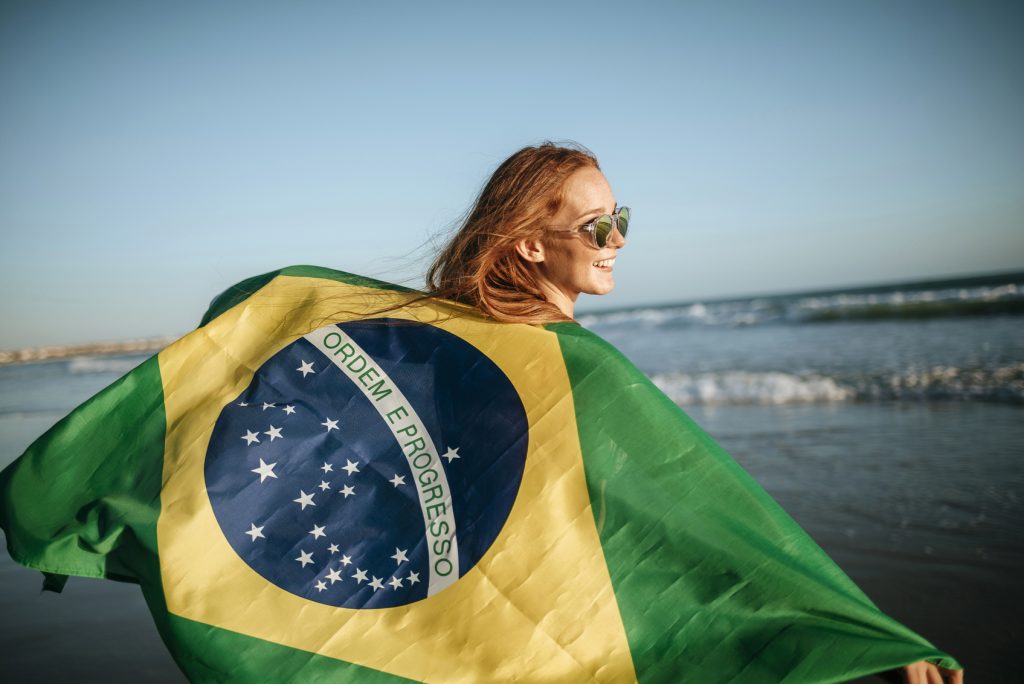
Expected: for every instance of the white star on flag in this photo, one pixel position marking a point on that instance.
(413, 578)
(317, 531)
(326, 467)
(333, 548)
(304, 500)
(320, 586)
(265, 470)
(256, 532)
(306, 368)
(334, 576)
(289, 409)
(274, 433)
(376, 584)
(330, 424)
(397, 480)
(242, 404)
(304, 558)
(267, 405)
(451, 454)
(360, 576)
(400, 556)
(395, 583)
(345, 560)
(347, 491)
(350, 467)
(324, 485)
(250, 437)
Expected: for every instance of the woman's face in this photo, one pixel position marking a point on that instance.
(569, 262)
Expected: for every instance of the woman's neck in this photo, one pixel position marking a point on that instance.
(563, 301)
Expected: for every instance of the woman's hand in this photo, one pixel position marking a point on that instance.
(923, 672)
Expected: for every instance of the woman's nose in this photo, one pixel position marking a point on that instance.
(616, 240)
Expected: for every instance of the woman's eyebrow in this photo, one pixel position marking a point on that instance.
(598, 210)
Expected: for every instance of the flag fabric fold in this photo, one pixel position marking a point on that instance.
(334, 478)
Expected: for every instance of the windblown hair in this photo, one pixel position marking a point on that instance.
(480, 266)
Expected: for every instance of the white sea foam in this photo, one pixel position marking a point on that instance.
(743, 387)
(1002, 384)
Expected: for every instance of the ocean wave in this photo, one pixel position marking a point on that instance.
(1005, 298)
(982, 301)
(731, 313)
(1002, 384)
(939, 383)
(744, 387)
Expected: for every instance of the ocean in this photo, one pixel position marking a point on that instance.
(886, 420)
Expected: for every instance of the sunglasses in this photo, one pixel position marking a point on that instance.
(601, 227)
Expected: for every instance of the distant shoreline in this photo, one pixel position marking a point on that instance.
(51, 353)
(895, 300)
(933, 283)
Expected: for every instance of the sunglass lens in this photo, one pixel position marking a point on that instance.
(623, 221)
(602, 229)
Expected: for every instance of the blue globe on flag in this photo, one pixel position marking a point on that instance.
(368, 464)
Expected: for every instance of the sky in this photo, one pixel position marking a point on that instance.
(152, 154)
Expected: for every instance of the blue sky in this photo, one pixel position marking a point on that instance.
(155, 153)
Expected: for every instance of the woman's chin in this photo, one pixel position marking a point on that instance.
(602, 286)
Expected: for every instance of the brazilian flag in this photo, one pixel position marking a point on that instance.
(335, 479)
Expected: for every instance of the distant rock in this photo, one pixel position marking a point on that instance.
(94, 349)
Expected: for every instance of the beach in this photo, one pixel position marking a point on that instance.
(888, 423)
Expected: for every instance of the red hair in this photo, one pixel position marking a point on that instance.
(480, 266)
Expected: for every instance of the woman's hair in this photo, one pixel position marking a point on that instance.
(480, 266)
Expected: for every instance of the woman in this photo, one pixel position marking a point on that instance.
(533, 240)
(545, 229)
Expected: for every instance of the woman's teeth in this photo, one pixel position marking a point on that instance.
(607, 263)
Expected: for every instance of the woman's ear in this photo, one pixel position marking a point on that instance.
(531, 249)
